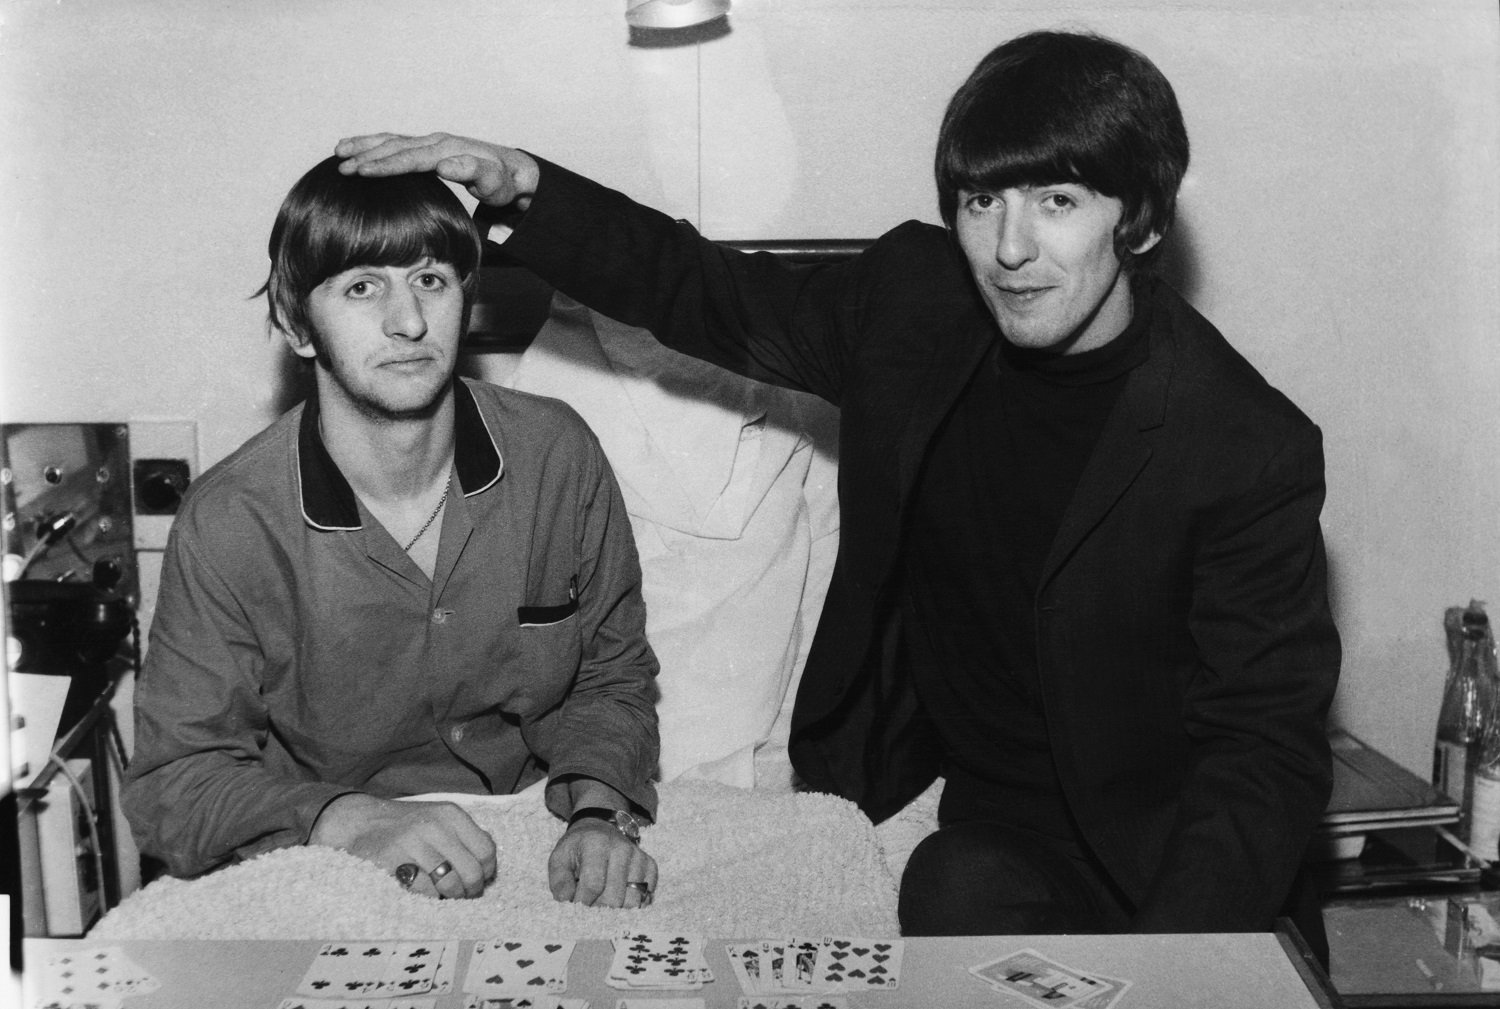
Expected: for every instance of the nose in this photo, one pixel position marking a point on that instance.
(1016, 243)
(404, 318)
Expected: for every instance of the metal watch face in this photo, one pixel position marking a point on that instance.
(627, 825)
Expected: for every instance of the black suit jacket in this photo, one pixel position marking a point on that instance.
(1186, 648)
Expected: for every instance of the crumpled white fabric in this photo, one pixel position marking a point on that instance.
(730, 487)
(733, 862)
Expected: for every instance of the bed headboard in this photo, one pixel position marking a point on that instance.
(513, 302)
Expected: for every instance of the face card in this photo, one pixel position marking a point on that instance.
(749, 966)
(846, 963)
(1043, 982)
(801, 963)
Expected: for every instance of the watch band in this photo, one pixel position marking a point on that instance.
(620, 819)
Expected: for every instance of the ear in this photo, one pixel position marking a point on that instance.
(1147, 244)
(299, 344)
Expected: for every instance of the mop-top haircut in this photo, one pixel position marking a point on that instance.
(330, 222)
(1052, 107)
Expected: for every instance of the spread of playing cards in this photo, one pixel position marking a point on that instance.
(808, 965)
(650, 969)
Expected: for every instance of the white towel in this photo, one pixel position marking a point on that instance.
(733, 862)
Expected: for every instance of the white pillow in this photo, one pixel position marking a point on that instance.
(730, 489)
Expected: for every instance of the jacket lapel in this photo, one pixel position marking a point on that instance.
(1123, 449)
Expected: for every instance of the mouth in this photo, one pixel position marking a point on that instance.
(1017, 295)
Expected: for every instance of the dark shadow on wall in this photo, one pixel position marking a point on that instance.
(1178, 263)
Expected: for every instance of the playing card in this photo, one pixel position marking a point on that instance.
(660, 1003)
(793, 1002)
(519, 967)
(346, 969)
(524, 1002)
(751, 966)
(846, 963)
(801, 963)
(1043, 982)
(409, 969)
(645, 960)
(362, 1003)
(447, 968)
(93, 976)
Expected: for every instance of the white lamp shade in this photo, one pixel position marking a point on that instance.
(673, 13)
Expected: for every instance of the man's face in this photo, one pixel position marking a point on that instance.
(389, 336)
(1044, 259)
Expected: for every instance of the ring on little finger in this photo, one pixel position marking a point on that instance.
(439, 871)
(641, 887)
(406, 874)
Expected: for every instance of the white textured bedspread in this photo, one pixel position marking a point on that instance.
(733, 863)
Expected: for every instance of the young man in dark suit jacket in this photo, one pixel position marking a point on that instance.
(1081, 573)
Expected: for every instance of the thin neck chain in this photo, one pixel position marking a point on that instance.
(430, 519)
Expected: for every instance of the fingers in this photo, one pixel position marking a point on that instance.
(591, 865)
(478, 846)
(350, 146)
(642, 870)
(495, 175)
(562, 873)
(452, 856)
(394, 154)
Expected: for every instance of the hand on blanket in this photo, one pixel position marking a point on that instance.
(426, 834)
(591, 864)
(495, 176)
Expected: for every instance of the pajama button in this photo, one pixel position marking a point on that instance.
(440, 616)
(457, 733)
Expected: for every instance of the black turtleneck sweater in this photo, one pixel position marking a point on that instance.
(998, 477)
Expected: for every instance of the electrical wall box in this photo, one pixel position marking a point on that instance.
(65, 499)
(164, 460)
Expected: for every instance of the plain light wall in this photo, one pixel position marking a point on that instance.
(1339, 222)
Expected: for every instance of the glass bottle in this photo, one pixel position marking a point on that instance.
(1467, 703)
(1484, 821)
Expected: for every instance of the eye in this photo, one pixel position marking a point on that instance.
(979, 203)
(1059, 201)
(431, 281)
(360, 289)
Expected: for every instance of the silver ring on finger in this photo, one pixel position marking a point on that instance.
(439, 871)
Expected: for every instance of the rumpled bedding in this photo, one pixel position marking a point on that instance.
(733, 862)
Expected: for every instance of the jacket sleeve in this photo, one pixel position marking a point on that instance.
(1259, 773)
(748, 312)
(606, 728)
(196, 792)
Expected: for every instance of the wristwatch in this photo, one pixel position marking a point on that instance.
(620, 819)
